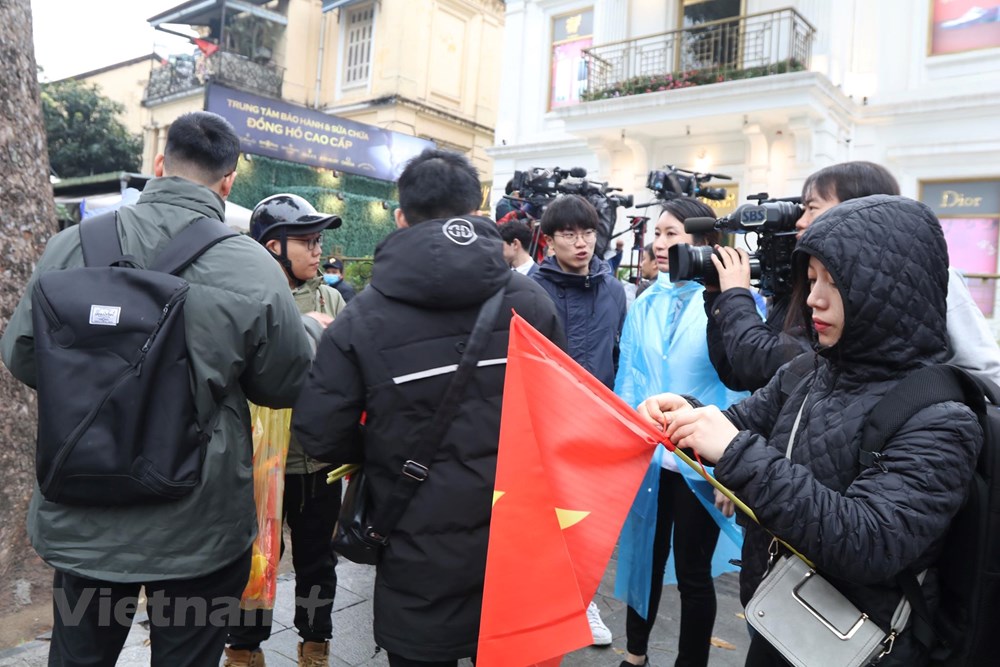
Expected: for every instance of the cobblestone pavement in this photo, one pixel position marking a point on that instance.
(352, 643)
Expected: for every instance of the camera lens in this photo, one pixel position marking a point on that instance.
(688, 262)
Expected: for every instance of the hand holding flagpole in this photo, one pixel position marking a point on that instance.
(706, 431)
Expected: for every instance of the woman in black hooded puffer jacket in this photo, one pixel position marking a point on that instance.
(883, 262)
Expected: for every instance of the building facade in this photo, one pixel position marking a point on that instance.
(424, 68)
(765, 92)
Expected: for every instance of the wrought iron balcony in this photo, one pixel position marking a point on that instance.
(736, 48)
(187, 73)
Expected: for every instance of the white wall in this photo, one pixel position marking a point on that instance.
(873, 93)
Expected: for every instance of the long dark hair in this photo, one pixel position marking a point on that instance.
(799, 314)
(683, 208)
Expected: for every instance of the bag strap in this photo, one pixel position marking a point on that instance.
(918, 390)
(101, 244)
(414, 472)
(99, 240)
(797, 371)
(190, 244)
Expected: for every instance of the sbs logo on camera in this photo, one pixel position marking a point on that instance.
(459, 231)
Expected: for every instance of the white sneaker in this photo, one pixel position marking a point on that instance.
(600, 632)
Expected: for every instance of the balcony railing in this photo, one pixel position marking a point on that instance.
(187, 73)
(736, 48)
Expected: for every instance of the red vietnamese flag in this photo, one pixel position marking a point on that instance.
(572, 456)
(207, 47)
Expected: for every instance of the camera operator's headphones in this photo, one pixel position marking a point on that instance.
(284, 215)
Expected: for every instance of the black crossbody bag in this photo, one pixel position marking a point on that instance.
(362, 532)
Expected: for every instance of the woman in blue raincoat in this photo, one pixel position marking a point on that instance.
(664, 347)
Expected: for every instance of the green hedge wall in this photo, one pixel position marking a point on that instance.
(366, 220)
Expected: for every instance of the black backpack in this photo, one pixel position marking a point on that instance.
(962, 630)
(116, 415)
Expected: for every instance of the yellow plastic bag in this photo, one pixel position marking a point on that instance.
(271, 432)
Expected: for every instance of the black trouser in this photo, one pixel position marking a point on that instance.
(188, 617)
(310, 507)
(695, 534)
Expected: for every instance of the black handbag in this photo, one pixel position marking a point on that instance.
(361, 533)
(350, 539)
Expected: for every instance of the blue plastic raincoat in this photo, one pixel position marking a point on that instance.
(664, 348)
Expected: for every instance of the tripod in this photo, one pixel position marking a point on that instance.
(636, 225)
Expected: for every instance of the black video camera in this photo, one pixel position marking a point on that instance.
(540, 182)
(773, 220)
(675, 182)
(538, 187)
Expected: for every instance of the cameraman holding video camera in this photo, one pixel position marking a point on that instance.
(746, 351)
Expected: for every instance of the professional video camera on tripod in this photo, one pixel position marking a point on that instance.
(676, 182)
(538, 187)
(668, 182)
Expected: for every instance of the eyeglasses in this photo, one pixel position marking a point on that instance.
(572, 237)
(311, 244)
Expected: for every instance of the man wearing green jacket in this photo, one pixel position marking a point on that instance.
(245, 341)
(292, 232)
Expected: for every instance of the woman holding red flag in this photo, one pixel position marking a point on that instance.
(875, 272)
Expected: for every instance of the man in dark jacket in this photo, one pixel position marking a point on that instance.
(245, 341)
(517, 238)
(392, 356)
(588, 298)
(591, 304)
(333, 275)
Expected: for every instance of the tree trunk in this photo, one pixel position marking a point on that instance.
(27, 220)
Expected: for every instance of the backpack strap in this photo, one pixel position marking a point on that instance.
(796, 372)
(99, 240)
(190, 244)
(918, 390)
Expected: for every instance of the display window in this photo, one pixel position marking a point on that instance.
(571, 34)
(969, 212)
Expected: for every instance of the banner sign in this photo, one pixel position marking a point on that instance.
(285, 131)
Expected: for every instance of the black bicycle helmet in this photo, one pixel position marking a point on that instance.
(288, 215)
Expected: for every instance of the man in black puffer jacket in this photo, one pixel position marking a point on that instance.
(862, 526)
(392, 356)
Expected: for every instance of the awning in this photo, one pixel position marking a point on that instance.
(329, 5)
(201, 12)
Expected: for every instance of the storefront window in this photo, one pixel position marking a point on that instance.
(571, 34)
(969, 212)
